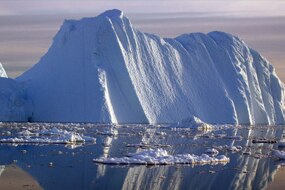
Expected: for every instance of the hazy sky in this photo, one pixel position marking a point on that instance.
(28, 26)
(252, 7)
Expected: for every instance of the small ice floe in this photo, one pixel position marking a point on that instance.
(27, 133)
(160, 133)
(52, 136)
(279, 154)
(7, 133)
(264, 140)
(212, 151)
(161, 157)
(281, 143)
(53, 131)
(193, 122)
(231, 148)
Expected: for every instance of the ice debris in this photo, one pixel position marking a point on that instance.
(49, 136)
(212, 151)
(161, 157)
(194, 122)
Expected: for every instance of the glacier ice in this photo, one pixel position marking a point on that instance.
(104, 70)
(193, 122)
(12, 101)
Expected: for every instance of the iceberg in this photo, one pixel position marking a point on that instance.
(12, 99)
(104, 70)
(193, 122)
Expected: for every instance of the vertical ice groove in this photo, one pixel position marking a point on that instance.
(263, 74)
(121, 91)
(229, 66)
(103, 82)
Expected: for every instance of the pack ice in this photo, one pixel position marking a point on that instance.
(104, 70)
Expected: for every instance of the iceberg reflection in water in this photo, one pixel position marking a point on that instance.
(71, 166)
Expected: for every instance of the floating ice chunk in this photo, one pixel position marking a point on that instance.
(53, 131)
(52, 136)
(160, 133)
(194, 122)
(161, 157)
(26, 133)
(212, 151)
(7, 133)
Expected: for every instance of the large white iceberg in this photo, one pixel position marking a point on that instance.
(104, 70)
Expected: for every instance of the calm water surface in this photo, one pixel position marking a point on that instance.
(72, 167)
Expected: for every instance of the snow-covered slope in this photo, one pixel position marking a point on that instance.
(104, 70)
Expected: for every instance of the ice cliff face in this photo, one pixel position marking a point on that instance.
(104, 70)
(12, 99)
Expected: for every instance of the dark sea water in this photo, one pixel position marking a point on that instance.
(59, 166)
